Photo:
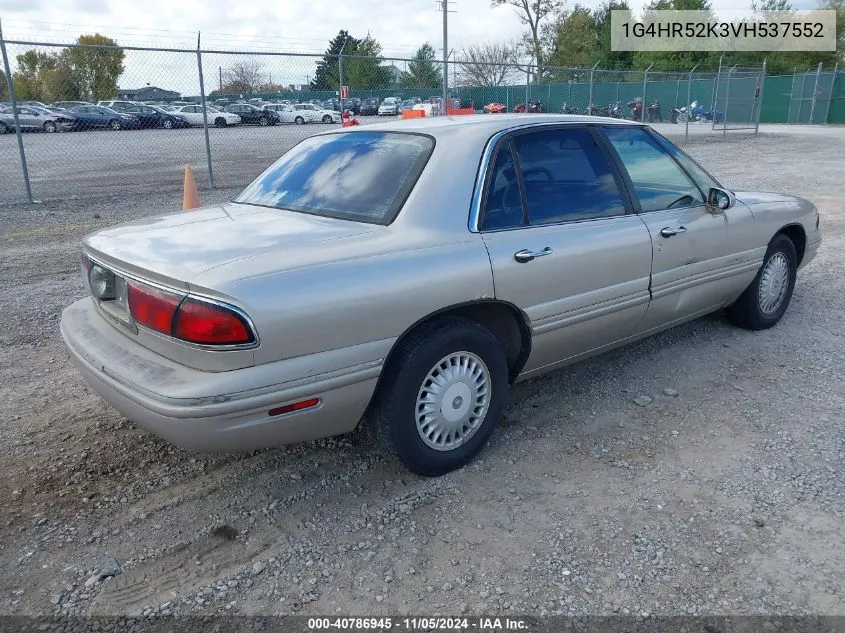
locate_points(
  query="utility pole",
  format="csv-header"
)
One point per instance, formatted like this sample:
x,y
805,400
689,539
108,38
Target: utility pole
x,y
445,8
340,74
220,73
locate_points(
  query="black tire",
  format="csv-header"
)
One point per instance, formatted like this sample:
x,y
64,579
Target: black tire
x,y
748,311
220,122
4,129
394,412
50,127
115,125
263,121
299,120
327,118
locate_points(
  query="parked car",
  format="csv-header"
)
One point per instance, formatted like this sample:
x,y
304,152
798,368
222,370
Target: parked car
x,y
495,108
401,289
67,105
30,118
309,113
389,106
353,105
87,117
193,115
285,111
250,114
407,104
332,105
148,116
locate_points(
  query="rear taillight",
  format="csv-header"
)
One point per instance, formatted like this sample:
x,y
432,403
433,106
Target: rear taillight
x,y
153,308
188,318
210,324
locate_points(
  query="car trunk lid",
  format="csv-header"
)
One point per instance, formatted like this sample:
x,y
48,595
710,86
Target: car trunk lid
x,y
174,249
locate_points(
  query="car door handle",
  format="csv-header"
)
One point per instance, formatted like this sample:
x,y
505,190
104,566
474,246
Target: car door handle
x,y
669,231
525,255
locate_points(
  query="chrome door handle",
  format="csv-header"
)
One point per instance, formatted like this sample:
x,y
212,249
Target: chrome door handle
x,y
525,255
669,231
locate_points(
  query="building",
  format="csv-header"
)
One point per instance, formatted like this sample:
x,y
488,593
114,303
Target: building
x,y
397,76
147,93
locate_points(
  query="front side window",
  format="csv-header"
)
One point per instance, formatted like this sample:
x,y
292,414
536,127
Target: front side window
x,y
658,180
566,177
359,176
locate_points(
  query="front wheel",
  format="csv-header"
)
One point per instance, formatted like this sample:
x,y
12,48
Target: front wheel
x,y
299,120
115,125
168,124
442,396
220,122
263,121
3,128
50,127
327,118
763,303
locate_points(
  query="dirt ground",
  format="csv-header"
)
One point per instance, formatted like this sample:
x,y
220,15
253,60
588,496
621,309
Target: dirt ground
x,y
723,497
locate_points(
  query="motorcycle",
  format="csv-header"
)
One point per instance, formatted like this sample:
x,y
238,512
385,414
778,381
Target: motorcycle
x,y
696,113
568,109
533,107
636,106
654,112
614,111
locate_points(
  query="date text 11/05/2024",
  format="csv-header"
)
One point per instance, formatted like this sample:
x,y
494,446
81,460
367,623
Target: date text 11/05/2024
x,y
418,624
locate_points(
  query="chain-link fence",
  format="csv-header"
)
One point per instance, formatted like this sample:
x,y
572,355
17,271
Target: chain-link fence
x,y
92,118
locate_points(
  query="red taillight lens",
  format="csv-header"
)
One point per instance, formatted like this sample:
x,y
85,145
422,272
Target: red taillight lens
x,y
153,308
210,324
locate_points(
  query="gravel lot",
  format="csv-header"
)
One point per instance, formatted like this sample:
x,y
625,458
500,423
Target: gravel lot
x,y
723,495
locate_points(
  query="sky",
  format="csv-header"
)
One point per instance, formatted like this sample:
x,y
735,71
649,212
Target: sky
x,y
287,25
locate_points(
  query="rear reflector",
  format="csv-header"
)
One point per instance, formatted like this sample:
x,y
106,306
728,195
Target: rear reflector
x,y
210,324
296,406
153,308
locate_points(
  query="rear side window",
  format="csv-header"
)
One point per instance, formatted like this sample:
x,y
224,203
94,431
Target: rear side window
x,y
359,176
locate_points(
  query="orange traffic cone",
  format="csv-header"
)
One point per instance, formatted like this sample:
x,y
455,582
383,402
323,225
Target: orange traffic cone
x,y
190,198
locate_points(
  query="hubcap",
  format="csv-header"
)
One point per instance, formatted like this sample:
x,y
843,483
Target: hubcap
x,y
774,283
453,401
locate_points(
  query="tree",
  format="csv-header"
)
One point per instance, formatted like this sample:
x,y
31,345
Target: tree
x,y
90,73
676,60
601,23
4,87
31,77
245,76
533,14
327,76
488,63
423,71
576,40
364,71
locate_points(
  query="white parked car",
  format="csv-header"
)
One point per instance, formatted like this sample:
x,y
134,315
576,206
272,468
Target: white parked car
x,y
389,106
193,115
310,113
285,111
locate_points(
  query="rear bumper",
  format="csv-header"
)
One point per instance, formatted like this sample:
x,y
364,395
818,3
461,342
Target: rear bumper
x,y
211,422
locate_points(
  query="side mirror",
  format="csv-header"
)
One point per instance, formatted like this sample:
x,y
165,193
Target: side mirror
x,y
720,199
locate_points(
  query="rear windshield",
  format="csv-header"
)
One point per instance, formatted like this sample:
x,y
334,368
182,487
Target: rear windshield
x,y
360,176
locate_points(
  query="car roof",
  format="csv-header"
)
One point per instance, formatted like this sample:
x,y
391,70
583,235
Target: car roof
x,y
484,124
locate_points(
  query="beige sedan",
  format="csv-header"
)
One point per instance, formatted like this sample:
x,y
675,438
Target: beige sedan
x,y
406,273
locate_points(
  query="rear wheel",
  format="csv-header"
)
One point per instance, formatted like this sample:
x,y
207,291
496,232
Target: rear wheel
x,y
263,121
3,128
115,124
299,120
49,126
168,124
442,396
220,122
764,301
327,118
